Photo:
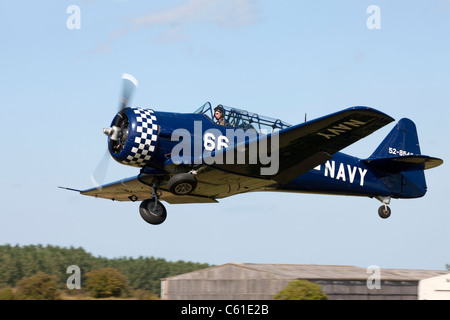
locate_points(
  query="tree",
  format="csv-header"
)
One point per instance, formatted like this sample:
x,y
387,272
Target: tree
x,y
301,290
106,282
39,286
6,293
141,273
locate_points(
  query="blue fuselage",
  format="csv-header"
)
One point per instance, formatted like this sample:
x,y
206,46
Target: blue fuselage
x,y
341,175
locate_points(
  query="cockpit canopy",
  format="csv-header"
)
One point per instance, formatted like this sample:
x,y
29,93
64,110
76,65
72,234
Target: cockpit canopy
x,y
242,119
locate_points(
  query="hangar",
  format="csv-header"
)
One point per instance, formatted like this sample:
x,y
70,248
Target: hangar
x,y
250,281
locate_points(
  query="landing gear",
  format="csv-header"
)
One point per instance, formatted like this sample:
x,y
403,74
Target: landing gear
x,y
182,183
153,211
384,211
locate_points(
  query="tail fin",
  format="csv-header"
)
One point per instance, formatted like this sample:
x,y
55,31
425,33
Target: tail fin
x,y
401,141
399,154
400,151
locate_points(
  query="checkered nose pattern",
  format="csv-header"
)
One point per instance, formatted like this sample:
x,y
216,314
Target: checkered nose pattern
x,y
142,138
145,138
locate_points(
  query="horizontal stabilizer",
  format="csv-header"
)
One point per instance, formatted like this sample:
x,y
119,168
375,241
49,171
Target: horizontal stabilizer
x,y
403,163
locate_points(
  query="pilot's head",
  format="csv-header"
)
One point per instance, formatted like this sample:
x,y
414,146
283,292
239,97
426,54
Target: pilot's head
x,y
218,112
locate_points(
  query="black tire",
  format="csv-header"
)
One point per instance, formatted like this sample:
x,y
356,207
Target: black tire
x,y
151,213
182,183
384,212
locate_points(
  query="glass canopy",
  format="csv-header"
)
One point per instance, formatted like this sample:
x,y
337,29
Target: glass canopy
x,y
242,119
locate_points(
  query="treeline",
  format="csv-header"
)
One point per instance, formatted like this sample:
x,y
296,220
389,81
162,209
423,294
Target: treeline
x,y
144,273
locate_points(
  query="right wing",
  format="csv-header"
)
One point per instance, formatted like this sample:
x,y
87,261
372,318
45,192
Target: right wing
x,y
139,188
212,184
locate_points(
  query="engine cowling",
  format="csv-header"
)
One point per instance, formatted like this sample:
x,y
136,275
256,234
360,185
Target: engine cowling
x,y
133,136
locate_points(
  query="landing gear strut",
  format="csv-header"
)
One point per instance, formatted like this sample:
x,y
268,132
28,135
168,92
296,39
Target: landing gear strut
x,y
384,211
153,211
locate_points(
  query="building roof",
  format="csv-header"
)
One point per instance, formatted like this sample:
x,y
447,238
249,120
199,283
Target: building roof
x,y
306,271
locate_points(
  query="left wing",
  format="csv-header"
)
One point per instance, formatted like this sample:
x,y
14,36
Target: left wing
x,y
303,147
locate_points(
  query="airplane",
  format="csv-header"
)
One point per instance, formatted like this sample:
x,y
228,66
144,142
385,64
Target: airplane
x,y
196,158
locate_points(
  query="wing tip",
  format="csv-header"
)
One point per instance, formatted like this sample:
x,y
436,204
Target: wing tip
x,y
70,189
370,109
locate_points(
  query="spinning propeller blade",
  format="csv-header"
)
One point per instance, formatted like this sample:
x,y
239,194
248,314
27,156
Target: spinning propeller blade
x,y
129,85
99,174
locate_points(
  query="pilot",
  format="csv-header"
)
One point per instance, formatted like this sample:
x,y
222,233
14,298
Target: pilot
x,y
218,115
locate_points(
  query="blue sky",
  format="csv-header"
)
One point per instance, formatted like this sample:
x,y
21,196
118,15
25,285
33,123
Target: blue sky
x,y
60,87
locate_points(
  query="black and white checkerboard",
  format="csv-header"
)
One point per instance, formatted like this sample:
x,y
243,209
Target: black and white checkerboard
x,y
146,138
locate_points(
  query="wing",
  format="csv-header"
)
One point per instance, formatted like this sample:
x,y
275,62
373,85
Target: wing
x,y
302,147
212,184
139,188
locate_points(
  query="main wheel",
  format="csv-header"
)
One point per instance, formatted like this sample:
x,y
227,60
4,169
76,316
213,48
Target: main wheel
x,y
182,183
384,212
152,212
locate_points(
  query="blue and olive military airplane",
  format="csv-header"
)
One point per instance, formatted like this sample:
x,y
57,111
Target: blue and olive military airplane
x,y
208,155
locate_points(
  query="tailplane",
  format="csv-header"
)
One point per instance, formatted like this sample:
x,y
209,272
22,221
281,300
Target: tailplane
x,y
399,155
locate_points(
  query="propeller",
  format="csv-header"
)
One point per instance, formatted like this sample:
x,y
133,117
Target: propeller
x,y
99,174
129,84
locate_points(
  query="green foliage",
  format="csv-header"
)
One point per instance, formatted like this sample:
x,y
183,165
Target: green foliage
x,y
140,294
6,293
301,290
142,273
18,262
106,282
40,286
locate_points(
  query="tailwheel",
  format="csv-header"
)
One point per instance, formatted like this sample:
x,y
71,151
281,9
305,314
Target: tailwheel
x,y
153,211
384,211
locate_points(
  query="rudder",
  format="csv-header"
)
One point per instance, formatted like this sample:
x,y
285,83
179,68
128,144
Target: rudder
x,y
401,141
399,162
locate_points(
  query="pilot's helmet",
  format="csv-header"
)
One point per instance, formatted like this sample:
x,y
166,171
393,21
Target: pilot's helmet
x,y
219,108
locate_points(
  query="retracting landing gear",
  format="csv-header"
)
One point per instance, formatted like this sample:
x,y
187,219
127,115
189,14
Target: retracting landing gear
x,y
182,183
384,211
153,211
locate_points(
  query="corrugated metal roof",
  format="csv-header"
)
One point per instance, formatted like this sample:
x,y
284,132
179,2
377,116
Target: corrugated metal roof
x,y
311,271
